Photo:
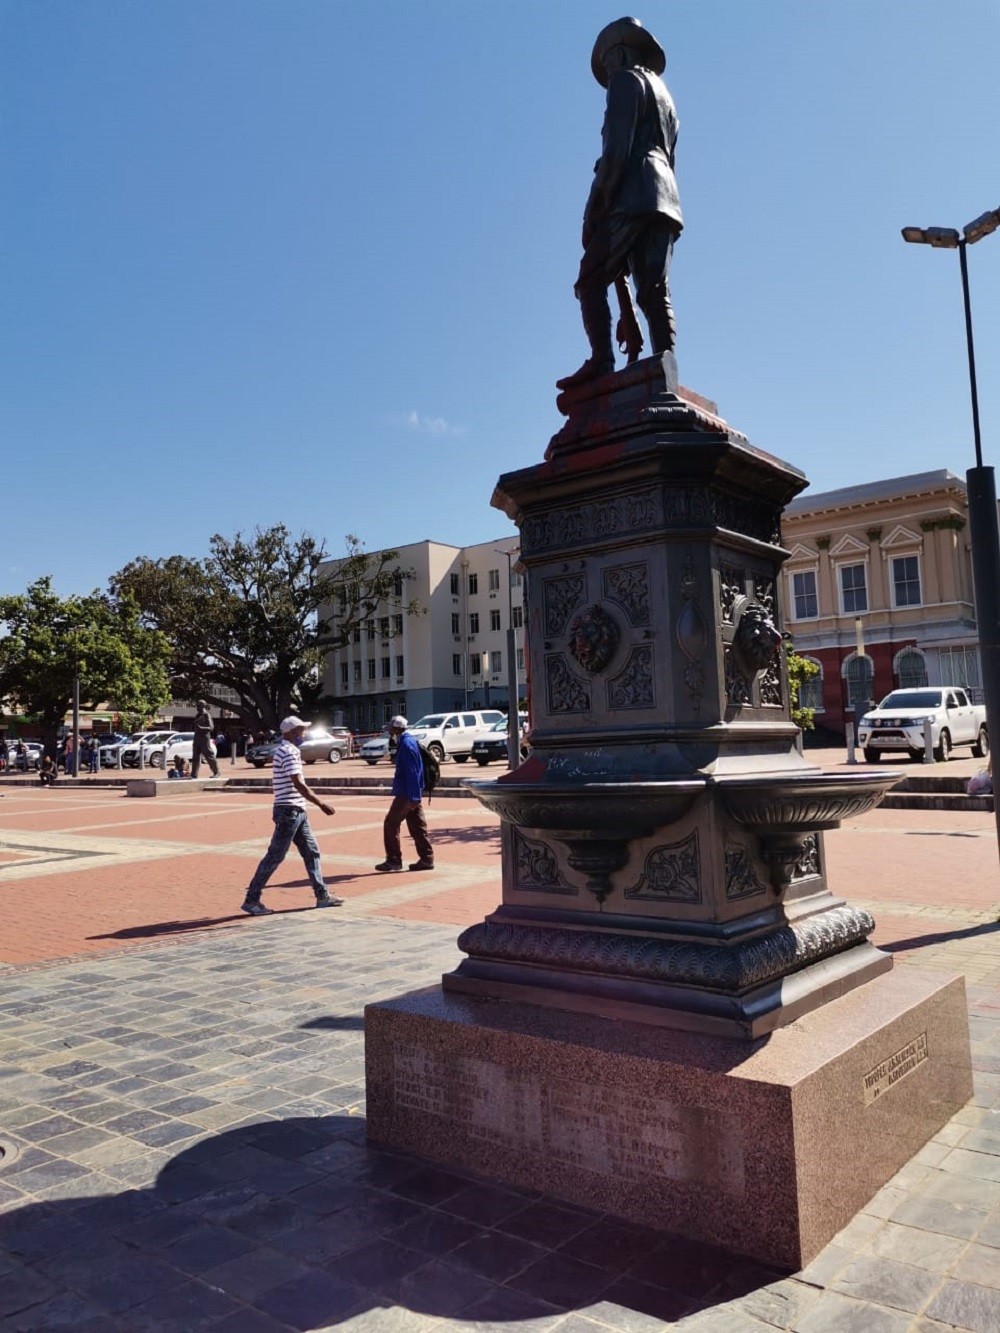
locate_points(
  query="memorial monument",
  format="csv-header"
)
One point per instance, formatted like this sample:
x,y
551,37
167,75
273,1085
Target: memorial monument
x,y
670,1016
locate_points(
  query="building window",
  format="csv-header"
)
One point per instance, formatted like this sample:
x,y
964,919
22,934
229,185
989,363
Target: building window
x,y
371,668
853,589
515,578
474,622
356,635
859,673
370,629
345,673
906,580
520,659
399,664
517,616
804,596
357,673
473,584
397,585
383,626
456,664
386,668
494,580
496,663
475,663
397,624
494,620
456,623
811,690
960,666
911,669
455,585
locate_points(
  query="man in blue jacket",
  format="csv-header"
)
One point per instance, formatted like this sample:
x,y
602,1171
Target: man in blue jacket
x,y
407,803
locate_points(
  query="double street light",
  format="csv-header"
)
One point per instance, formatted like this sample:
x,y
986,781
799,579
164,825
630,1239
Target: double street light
x,y
980,483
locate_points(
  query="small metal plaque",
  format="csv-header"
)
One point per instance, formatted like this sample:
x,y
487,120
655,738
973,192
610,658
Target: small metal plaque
x,y
885,1075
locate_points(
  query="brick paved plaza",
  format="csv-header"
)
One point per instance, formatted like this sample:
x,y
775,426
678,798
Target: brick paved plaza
x,y
182,1093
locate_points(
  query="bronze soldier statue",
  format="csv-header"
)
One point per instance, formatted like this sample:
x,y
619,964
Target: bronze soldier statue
x,y
633,214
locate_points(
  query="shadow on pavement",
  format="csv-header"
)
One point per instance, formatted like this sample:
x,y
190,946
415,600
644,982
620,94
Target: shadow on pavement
x,y
153,929
336,1023
297,1221
941,937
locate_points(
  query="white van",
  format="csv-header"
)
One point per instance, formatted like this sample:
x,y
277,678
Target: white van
x,y
451,735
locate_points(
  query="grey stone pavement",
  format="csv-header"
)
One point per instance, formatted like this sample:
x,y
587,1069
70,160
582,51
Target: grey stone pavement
x,y
184,1142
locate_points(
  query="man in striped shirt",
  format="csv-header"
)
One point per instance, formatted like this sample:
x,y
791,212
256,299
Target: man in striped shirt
x,y
291,822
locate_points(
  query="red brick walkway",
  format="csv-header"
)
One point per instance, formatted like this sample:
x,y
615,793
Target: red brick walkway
x,y
86,871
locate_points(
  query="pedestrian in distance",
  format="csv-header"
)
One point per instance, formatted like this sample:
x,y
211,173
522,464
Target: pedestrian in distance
x,y
95,755
203,747
4,754
407,803
291,822
48,771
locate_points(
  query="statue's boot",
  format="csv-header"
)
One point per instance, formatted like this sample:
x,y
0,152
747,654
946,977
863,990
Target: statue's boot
x,y
596,314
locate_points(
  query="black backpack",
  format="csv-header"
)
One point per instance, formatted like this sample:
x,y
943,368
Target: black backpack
x,y
432,769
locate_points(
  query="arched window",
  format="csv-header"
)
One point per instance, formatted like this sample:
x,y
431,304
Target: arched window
x,y
910,668
811,691
859,673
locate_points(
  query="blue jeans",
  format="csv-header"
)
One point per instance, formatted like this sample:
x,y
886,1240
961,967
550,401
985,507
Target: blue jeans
x,y
291,825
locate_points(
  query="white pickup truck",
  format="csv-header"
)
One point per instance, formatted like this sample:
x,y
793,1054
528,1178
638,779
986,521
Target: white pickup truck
x,y
898,723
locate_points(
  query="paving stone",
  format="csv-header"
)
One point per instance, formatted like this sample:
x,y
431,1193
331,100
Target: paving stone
x,y
924,1249
312,1301
967,1306
979,1264
886,1282
831,1313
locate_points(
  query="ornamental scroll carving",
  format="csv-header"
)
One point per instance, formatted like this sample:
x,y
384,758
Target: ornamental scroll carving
x,y
692,634
536,869
634,686
731,968
807,866
732,584
770,680
565,692
742,880
593,638
628,585
561,596
618,516
671,874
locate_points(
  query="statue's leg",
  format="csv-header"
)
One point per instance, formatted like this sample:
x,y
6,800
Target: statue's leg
x,y
595,310
649,263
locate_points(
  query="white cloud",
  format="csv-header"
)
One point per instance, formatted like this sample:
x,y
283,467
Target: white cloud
x,y
416,421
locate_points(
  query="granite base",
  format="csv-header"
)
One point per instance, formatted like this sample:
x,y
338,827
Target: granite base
x,y
767,1148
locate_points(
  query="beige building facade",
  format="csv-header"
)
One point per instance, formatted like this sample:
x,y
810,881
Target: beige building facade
x,y
451,654
878,590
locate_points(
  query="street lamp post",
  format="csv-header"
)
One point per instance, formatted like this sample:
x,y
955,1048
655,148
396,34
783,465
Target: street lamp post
x,y
980,484
513,711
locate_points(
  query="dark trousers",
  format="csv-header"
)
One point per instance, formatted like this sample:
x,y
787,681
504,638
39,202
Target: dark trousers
x,y
200,751
413,813
641,246
291,825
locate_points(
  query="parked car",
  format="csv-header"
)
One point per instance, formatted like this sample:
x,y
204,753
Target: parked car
x,y
142,740
32,758
161,754
111,746
898,723
453,735
494,746
318,743
378,747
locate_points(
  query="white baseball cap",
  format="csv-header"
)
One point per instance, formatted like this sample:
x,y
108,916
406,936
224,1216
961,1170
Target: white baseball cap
x,y
397,723
291,723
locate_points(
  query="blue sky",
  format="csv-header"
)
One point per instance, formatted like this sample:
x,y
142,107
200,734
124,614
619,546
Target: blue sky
x,y
312,261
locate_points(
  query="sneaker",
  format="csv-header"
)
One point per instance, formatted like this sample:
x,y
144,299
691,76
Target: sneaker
x,y
328,900
422,865
256,909
389,867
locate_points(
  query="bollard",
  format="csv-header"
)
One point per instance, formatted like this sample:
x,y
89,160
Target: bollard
x,y
852,758
928,741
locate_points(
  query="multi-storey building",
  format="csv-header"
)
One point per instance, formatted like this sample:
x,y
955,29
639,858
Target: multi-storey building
x,y
452,653
878,590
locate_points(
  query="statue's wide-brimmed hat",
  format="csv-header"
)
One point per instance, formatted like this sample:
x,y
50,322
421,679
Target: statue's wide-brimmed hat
x,y
630,33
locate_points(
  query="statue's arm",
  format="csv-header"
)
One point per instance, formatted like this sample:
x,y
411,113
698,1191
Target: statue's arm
x,y
625,93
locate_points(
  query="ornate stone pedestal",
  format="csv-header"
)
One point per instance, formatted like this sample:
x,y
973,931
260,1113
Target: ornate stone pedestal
x,y
663,867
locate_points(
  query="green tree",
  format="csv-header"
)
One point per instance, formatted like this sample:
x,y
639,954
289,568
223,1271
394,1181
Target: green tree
x,y
251,624
800,669
49,640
